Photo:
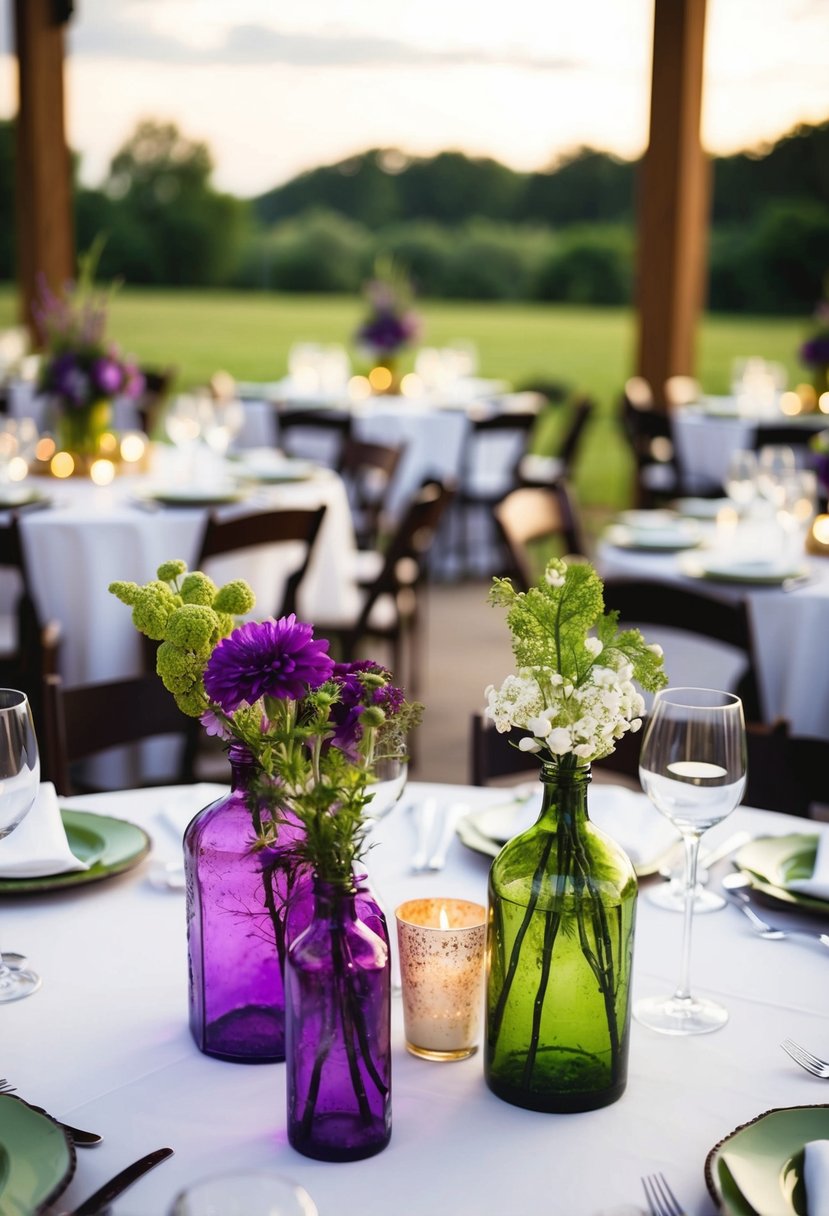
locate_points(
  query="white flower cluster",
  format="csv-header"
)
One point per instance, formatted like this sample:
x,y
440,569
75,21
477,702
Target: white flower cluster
x,y
585,721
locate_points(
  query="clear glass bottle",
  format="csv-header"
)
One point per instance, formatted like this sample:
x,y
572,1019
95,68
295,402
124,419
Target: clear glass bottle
x,y
338,1036
562,913
237,895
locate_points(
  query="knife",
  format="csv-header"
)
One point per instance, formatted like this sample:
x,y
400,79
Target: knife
x,y
104,1196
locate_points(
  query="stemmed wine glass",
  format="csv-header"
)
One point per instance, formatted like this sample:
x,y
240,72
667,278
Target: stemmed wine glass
x,y
19,782
741,478
693,768
390,776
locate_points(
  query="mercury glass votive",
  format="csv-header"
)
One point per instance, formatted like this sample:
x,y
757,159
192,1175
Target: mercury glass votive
x,y
441,945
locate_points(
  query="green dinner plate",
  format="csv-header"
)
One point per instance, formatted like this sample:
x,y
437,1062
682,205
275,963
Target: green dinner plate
x,y
758,573
111,846
667,540
759,1166
774,861
37,1159
195,498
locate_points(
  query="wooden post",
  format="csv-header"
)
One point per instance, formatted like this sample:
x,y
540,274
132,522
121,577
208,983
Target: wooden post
x,y
674,199
45,229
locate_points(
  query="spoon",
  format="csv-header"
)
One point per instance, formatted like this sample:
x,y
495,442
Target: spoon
x,y
734,886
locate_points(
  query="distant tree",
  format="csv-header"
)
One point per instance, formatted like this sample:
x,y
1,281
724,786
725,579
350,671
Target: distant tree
x,y
166,224
592,264
321,251
586,185
795,167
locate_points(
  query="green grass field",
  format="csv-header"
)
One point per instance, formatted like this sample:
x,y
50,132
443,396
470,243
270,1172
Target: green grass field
x,y
591,349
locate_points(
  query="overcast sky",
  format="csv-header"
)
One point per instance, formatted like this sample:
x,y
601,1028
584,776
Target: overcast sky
x,y
275,88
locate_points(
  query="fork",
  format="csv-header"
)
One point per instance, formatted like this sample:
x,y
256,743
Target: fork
x,y
78,1136
812,1063
661,1199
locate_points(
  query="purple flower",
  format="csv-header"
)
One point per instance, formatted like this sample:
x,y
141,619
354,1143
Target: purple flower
x,y
134,382
815,352
108,375
267,658
214,725
354,697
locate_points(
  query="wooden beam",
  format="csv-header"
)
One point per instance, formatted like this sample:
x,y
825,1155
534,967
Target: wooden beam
x,y
674,198
45,229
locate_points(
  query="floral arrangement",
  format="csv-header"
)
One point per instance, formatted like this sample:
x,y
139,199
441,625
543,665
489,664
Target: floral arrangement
x,y
391,323
574,690
814,353
317,729
81,367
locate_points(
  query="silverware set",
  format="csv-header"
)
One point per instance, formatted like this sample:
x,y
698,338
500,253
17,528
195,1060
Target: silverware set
x,y
434,832
734,888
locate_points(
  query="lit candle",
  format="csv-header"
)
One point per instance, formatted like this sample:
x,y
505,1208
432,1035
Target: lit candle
x,y
442,944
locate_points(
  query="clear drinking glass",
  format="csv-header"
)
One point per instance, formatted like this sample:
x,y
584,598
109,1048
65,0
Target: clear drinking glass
x,y
774,462
741,478
244,1193
19,782
693,769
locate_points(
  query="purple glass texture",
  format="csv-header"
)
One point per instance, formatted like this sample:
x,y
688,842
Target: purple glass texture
x,y
236,899
337,1026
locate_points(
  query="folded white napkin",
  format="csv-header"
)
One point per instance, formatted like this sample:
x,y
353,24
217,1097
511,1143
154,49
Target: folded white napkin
x,y
818,884
38,845
816,1176
181,807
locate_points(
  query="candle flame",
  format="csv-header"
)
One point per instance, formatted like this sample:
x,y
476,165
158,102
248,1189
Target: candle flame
x,y
443,919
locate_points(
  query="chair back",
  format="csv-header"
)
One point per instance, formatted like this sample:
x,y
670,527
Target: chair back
x,y
649,602
406,556
316,434
573,436
368,470
90,718
531,514
235,533
648,432
682,390
36,644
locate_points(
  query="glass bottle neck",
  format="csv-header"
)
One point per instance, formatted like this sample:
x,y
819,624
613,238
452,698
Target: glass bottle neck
x,y
564,793
242,766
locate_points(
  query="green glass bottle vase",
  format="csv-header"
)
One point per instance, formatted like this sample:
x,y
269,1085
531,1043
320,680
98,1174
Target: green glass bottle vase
x,y
562,911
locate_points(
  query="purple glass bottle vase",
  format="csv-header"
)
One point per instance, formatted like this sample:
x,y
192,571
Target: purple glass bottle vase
x,y
337,1026
236,900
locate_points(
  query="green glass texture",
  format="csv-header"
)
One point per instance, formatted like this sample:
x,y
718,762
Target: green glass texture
x,y
562,912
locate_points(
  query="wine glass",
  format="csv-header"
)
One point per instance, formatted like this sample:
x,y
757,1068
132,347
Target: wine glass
x,y
693,768
244,1193
19,782
741,478
775,462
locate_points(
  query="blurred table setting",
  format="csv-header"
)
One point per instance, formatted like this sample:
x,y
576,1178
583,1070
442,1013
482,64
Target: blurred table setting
x,y
763,546
133,1074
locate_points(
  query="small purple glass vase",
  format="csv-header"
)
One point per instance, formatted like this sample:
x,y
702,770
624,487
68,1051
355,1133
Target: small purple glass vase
x,y
236,900
337,1025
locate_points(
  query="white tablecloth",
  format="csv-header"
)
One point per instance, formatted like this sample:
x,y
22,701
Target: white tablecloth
x,y
788,630
94,535
705,440
105,1045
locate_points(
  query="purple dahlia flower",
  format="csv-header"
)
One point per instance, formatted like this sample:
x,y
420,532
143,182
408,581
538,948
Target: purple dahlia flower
x,y
267,658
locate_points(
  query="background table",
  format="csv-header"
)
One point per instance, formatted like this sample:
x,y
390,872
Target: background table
x,y
706,438
105,1045
788,631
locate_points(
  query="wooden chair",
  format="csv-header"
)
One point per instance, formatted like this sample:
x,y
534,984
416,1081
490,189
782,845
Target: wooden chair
x,y
30,647
796,437
235,533
91,718
643,602
315,434
530,515
647,428
368,470
536,469
391,610
682,390
478,489
158,381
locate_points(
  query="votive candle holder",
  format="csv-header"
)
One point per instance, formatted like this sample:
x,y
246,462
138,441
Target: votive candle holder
x,y
442,945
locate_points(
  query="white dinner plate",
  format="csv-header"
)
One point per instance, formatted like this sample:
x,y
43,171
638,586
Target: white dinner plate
x,y
767,571
702,508
684,534
189,496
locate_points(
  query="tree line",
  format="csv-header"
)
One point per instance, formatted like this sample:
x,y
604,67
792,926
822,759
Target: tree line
x,y
465,228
